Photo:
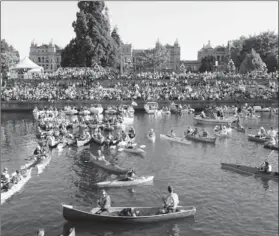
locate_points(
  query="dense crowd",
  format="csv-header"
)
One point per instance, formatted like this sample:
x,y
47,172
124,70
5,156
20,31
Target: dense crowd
x,y
207,87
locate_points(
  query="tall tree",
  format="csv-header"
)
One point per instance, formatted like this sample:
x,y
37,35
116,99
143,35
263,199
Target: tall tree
x,y
231,66
207,64
252,62
93,42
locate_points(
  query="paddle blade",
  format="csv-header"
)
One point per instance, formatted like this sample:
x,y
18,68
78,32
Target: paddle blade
x,y
142,146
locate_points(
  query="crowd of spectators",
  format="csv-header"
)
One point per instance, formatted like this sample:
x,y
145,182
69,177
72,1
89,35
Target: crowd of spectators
x,y
103,84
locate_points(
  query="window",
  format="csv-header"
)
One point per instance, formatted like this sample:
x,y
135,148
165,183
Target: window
x,y
39,59
51,66
43,59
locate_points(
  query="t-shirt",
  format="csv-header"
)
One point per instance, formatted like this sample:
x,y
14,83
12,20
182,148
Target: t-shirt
x,y
172,200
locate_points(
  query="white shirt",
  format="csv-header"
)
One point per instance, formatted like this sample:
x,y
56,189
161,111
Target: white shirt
x,y
172,200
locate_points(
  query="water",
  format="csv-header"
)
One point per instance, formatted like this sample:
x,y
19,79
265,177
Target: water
x,y
227,203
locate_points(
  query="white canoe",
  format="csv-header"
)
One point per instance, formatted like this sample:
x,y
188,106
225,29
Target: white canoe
x,y
200,120
133,150
17,187
124,182
42,165
175,139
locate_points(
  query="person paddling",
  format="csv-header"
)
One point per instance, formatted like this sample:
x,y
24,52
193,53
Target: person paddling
x,y
131,175
172,134
171,202
104,202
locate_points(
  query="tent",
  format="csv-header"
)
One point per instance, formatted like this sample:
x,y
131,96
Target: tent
x,y
26,63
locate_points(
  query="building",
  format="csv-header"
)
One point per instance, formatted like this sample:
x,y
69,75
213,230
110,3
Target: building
x,y
173,63
221,55
47,56
126,57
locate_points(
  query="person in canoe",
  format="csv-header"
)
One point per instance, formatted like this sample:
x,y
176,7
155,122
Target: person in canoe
x,y
196,132
171,202
132,133
203,115
204,133
38,150
189,130
172,134
131,175
151,133
16,178
272,133
261,133
265,167
5,179
103,202
41,232
100,156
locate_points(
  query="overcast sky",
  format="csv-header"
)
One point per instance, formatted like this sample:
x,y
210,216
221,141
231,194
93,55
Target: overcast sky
x,y
141,23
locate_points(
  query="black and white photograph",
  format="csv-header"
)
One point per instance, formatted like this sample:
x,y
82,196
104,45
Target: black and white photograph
x,y
133,118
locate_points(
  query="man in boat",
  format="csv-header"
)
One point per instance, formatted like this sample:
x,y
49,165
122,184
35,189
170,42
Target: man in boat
x,y
100,156
15,179
261,132
41,232
5,179
203,115
172,134
151,133
267,168
272,133
196,132
124,135
171,202
131,175
132,133
204,133
104,202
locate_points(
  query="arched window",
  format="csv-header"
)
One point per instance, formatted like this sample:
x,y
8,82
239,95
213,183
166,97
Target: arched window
x,y
39,59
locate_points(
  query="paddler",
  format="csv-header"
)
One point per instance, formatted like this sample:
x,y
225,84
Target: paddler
x,y
41,232
104,202
267,168
132,133
5,178
261,132
272,133
100,156
205,133
129,145
15,179
151,133
203,115
196,131
172,134
131,175
171,202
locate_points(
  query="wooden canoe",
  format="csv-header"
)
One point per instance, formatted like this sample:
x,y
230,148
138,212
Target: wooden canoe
x,y
250,170
16,187
200,120
122,182
106,165
175,139
201,139
146,215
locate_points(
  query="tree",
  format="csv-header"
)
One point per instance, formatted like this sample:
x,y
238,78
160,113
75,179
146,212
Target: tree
x,y
154,58
231,66
9,57
207,64
252,62
93,42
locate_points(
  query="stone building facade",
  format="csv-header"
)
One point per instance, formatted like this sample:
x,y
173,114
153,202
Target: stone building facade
x,y
47,56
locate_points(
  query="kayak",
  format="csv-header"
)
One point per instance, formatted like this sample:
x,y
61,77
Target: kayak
x,y
43,163
124,182
200,120
133,150
253,138
175,139
83,142
16,187
114,169
146,214
201,139
98,141
250,170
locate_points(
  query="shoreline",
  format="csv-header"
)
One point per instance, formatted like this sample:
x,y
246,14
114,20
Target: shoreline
x,y
14,106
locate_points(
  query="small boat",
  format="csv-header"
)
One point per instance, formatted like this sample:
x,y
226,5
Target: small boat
x,y
250,170
175,139
97,109
262,109
98,141
201,139
121,182
16,187
43,163
133,150
200,120
146,215
106,165
239,129
128,118
151,107
255,138
83,142
151,138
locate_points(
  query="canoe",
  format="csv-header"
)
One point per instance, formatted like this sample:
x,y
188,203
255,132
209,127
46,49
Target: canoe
x,y
200,120
98,141
43,163
166,112
146,215
83,142
261,109
16,187
71,232
253,138
124,182
114,169
133,150
272,147
250,170
175,139
201,139
151,138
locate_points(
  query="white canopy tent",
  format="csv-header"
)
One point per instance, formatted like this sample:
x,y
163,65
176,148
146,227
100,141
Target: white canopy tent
x,y
26,63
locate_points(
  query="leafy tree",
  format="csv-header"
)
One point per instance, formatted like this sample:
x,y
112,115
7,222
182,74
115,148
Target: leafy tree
x,y
252,62
207,64
93,42
153,58
231,66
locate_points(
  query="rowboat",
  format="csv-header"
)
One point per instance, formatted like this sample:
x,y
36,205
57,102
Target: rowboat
x,y
16,187
201,139
250,170
114,169
83,142
43,163
200,120
151,107
253,138
133,150
121,182
175,139
98,141
146,215
151,138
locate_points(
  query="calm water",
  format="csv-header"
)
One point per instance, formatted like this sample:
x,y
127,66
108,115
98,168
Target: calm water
x,y
227,203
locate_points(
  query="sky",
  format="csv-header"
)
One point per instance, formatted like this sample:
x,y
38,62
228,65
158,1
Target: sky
x,y
141,23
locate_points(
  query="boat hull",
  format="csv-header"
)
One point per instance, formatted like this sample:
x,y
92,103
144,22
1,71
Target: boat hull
x,y
133,150
123,183
42,165
201,139
200,120
176,139
253,138
147,215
